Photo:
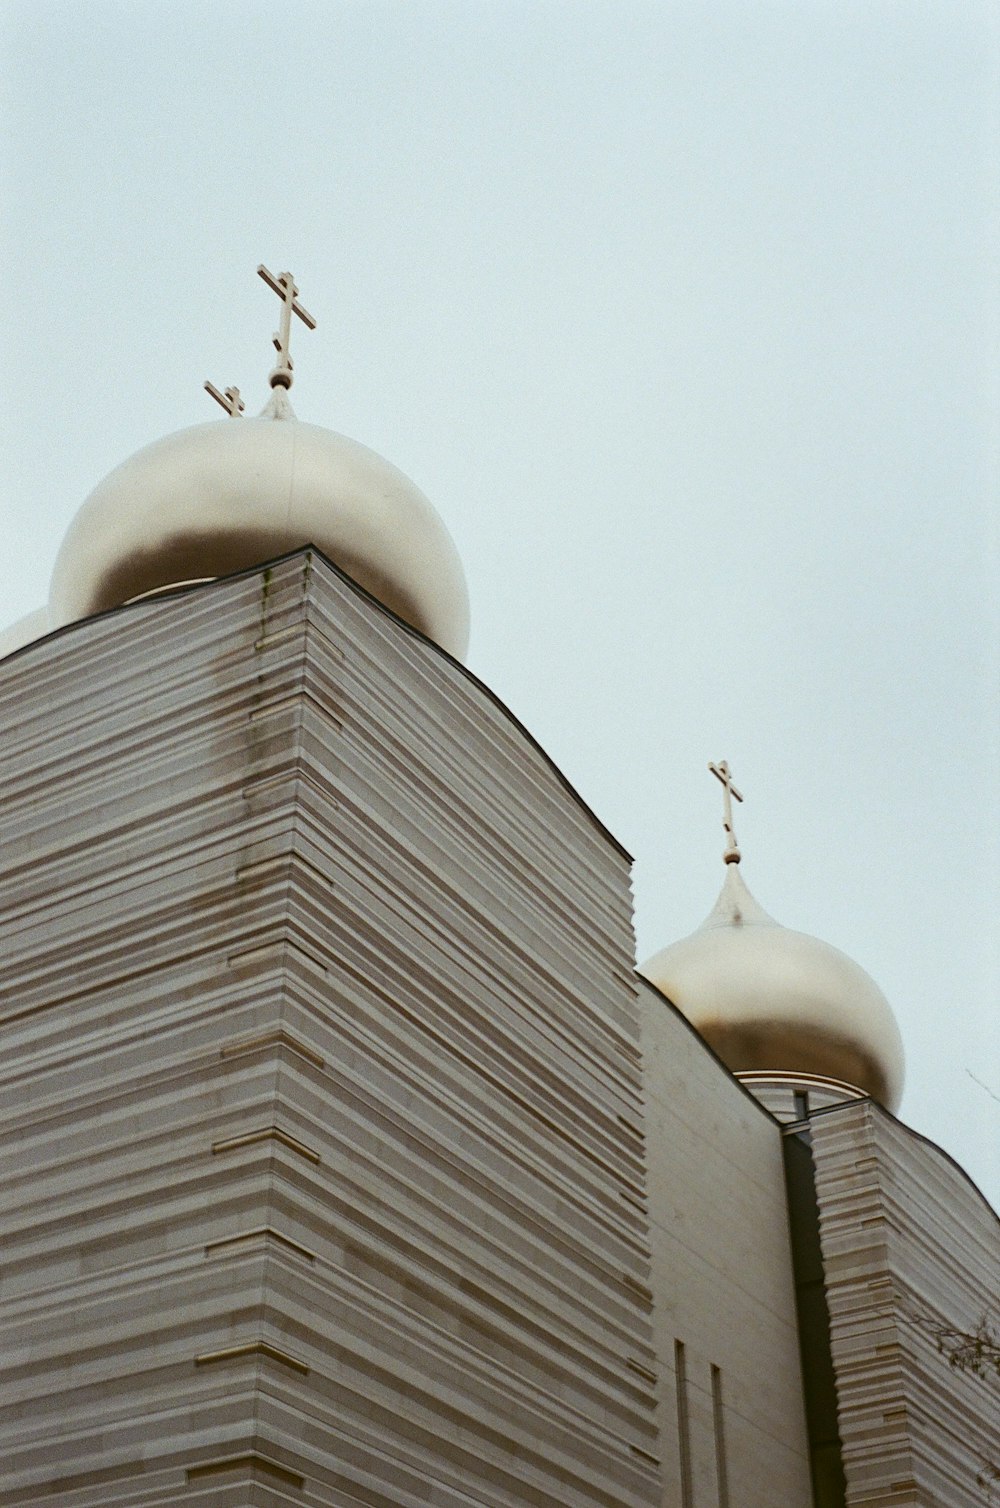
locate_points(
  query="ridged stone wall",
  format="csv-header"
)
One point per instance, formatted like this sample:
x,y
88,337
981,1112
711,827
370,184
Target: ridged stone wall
x,y
910,1249
323,1172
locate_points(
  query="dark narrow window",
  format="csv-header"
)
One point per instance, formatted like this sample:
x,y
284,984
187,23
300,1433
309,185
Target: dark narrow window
x,y
801,1104
721,1469
683,1425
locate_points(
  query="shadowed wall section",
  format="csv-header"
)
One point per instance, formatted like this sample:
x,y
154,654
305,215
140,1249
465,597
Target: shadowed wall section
x,y
732,1421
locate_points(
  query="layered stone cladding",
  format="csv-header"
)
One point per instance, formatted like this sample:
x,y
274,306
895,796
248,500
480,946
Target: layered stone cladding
x,y
320,1089
910,1250
794,1097
733,1429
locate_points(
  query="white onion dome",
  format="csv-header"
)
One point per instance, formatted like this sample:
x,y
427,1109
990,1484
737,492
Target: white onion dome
x,y
770,1000
225,496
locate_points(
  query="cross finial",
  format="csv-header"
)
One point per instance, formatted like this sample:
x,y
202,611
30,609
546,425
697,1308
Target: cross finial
x,y
230,400
731,853
284,287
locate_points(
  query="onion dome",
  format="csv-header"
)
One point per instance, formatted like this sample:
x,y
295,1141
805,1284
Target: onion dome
x,y
777,1003
225,496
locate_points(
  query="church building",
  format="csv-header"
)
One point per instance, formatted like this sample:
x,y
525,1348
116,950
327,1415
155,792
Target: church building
x,y
349,1157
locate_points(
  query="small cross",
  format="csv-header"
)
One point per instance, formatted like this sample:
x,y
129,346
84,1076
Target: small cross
x,y
722,772
284,287
230,400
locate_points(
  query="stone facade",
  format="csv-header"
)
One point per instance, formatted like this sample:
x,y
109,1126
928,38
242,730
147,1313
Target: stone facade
x,y
321,1091
348,1161
733,1429
910,1250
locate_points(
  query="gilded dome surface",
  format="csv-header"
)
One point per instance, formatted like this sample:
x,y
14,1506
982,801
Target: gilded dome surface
x,y
224,496
767,998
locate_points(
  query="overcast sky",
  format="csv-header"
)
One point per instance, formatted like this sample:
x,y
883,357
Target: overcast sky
x,y
684,315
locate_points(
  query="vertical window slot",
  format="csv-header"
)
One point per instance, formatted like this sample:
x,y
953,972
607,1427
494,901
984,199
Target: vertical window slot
x,y
721,1468
683,1425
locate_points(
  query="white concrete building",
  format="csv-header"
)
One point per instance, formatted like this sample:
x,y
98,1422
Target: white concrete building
x,y
348,1158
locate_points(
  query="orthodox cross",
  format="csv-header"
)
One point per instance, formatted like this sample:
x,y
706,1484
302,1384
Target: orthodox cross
x,y
723,773
284,287
230,400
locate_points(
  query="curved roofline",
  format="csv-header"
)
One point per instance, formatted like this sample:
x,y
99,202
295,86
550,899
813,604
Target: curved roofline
x,y
917,1136
310,550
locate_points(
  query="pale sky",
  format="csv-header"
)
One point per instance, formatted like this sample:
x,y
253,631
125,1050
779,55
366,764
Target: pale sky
x,y
686,318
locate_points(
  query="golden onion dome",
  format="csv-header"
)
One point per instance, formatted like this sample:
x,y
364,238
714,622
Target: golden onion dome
x,y
225,496
771,1000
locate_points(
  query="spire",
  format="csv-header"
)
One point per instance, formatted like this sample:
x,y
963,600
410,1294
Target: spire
x,y
284,286
731,853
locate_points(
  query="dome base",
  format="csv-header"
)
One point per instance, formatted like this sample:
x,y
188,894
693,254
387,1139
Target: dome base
x,y
793,1097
